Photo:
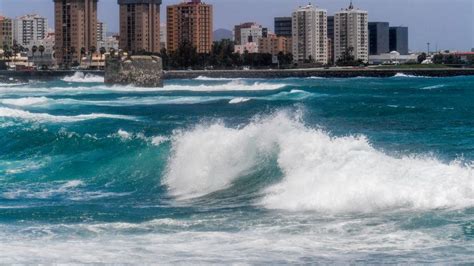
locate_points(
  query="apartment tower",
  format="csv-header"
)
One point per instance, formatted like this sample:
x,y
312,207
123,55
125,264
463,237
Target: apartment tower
x,y
29,28
6,32
140,26
190,22
351,33
310,40
75,28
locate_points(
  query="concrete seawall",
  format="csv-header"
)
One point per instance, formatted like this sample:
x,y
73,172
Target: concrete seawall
x,y
328,73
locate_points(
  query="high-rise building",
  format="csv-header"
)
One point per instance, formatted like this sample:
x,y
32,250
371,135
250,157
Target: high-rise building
x,y
273,44
331,40
163,36
310,40
29,28
283,26
378,38
140,25
351,33
238,31
399,39
190,22
247,37
75,28
6,32
101,33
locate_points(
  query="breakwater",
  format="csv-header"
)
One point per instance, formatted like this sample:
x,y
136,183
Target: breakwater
x,y
267,73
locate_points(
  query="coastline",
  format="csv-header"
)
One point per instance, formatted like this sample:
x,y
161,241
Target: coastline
x,y
258,73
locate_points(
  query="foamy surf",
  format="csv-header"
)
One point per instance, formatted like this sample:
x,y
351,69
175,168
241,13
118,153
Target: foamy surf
x,y
44,117
321,173
84,78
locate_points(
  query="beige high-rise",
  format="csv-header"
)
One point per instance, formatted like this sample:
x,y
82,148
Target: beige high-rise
x,y
6,32
140,26
76,28
310,34
190,22
351,31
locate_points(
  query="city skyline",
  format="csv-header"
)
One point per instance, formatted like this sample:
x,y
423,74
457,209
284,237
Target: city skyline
x,y
456,34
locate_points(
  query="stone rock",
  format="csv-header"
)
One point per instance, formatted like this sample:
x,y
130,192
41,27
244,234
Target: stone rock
x,y
143,71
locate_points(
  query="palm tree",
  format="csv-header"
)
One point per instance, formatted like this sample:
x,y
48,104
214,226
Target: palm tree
x,y
34,49
41,50
102,51
112,52
16,50
83,52
92,51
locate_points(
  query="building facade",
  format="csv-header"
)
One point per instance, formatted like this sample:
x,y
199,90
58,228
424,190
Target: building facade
x,y
29,28
331,40
351,33
283,26
378,38
44,51
273,44
140,26
399,39
6,32
310,40
190,22
163,36
101,33
75,29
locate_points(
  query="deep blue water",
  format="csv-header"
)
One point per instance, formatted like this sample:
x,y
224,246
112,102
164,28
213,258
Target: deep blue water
x,y
361,170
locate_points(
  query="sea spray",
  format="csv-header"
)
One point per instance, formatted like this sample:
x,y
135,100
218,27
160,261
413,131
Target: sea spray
x,y
321,173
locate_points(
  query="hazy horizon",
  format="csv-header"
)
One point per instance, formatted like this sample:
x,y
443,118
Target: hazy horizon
x,y
428,20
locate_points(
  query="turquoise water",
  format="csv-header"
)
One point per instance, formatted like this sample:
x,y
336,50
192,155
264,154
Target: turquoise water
x,y
362,170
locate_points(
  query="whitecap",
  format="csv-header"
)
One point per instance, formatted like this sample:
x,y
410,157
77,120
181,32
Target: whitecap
x,y
44,117
239,100
321,173
83,78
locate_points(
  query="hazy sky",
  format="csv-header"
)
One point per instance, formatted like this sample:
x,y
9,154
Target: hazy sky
x,y
447,23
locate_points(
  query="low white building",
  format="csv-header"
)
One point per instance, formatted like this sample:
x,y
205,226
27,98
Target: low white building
x,y
250,47
46,57
392,58
110,42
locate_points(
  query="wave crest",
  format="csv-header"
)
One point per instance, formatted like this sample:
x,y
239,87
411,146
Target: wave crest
x,y
83,78
321,173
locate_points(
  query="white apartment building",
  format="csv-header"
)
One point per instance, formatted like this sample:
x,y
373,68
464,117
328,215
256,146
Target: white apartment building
x,y
29,28
310,34
101,34
351,30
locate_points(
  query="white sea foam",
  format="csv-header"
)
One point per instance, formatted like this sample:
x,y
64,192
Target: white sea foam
x,y
402,75
433,87
322,173
214,79
83,78
28,101
236,85
43,117
239,100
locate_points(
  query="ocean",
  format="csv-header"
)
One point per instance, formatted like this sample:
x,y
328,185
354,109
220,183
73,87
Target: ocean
x,y
238,171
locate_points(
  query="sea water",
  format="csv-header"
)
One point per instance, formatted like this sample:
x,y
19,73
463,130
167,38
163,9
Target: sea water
x,y
249,171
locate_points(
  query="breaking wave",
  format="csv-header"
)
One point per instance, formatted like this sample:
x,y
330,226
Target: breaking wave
x,y
83,78
43,117
320,172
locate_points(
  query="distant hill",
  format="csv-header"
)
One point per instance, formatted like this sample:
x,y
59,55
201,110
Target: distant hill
x,y
220,34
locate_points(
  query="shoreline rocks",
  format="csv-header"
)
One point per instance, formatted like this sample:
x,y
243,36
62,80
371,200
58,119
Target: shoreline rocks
x,y
143,71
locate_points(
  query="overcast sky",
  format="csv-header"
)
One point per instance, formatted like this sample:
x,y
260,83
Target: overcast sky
x,y
446,23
